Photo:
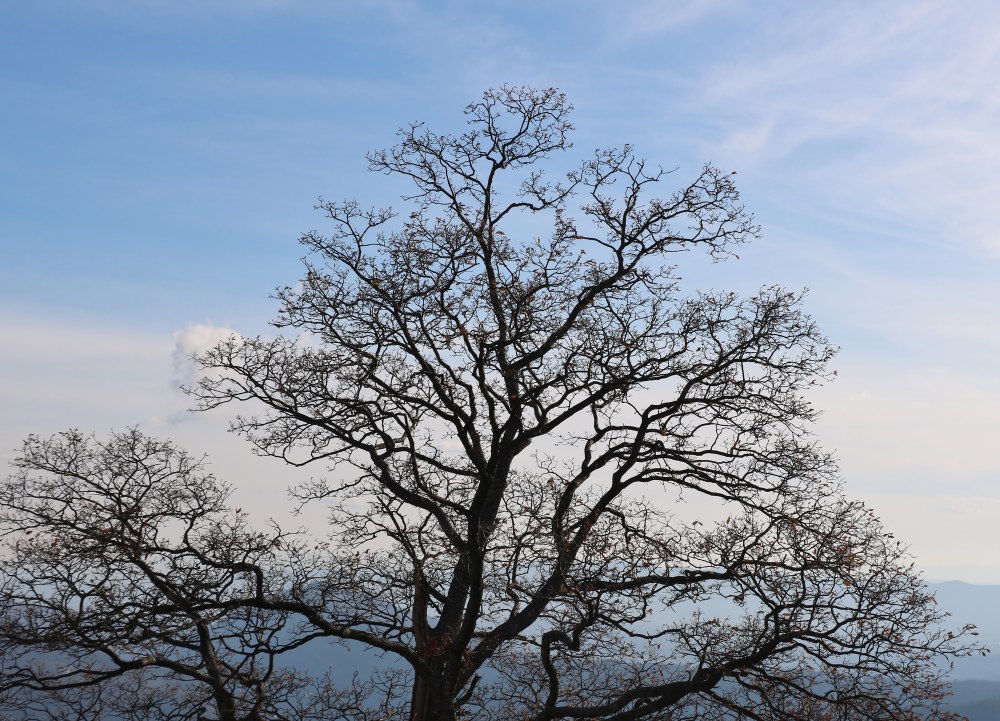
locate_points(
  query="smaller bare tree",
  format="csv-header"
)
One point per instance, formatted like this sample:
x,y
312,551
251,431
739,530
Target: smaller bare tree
x,y
131,591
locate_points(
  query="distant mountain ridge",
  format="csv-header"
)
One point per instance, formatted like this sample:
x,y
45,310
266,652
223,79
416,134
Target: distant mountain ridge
x,y
976,679
976,700
970,603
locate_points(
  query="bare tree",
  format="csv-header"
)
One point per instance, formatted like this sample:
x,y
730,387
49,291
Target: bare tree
x,y
131,591
515,430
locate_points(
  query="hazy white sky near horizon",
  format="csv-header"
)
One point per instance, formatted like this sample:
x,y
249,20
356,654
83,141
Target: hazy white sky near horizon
x,y
158,160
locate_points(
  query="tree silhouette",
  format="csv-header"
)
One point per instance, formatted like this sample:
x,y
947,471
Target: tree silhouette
x,y
563,486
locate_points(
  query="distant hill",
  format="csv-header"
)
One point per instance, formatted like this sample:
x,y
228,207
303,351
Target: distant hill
x,y
975,680
977,700
978,605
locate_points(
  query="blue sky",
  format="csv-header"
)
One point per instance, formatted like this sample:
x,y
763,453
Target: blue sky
x,y
158,159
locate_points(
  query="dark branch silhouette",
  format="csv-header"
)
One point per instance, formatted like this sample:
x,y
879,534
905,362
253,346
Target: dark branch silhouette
x,y
563,486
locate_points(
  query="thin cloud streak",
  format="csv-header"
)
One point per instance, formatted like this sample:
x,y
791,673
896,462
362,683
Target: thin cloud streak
x,y
906,91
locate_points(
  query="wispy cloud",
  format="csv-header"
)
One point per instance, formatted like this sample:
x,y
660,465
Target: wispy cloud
x,y
893,106
650,17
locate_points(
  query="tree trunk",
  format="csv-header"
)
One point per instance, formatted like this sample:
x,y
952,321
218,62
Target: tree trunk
x,y
428,703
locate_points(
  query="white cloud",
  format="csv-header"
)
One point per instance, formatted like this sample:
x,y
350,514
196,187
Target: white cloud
x,y
194,340
56,374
